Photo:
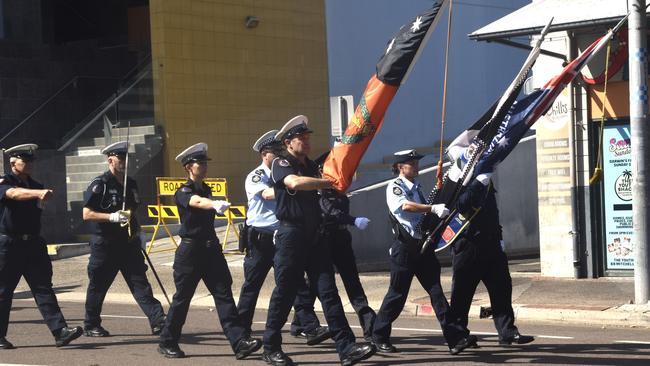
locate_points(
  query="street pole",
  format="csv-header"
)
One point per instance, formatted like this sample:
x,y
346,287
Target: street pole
x,y
639,134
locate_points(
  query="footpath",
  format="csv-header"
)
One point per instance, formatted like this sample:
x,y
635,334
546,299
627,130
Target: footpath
x,y
604,302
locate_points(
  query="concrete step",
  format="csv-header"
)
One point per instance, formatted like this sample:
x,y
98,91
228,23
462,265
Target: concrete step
x,y
84,177
90,159
86,168
135,130
133,139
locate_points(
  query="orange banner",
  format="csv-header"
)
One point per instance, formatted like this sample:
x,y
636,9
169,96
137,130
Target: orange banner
x,y
345,156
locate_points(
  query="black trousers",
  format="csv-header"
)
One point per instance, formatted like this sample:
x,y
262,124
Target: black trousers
x,y
257,264
485,261
339,241
295,253
194,261
406,262
107,258
27,258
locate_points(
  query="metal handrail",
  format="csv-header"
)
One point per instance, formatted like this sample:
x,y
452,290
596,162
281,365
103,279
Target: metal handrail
x,y
103,109
48,100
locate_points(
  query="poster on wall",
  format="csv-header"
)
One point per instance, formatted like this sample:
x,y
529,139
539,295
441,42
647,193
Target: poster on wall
x,y
617,189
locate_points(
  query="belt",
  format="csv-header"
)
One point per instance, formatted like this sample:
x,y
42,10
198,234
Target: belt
x,y
208,243
260,234
23,237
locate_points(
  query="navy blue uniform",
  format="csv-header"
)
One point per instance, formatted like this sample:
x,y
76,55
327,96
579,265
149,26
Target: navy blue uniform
x,y
478,256
406,262
259,256
23,253
113,251
199,257
335,211
296,251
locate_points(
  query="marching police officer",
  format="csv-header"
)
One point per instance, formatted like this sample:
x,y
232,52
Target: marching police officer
x,y
335,212
262,223
199,257
23,251
116,245
295,180
406,205
477,255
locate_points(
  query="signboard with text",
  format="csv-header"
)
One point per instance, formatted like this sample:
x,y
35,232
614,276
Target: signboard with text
x,y
617,194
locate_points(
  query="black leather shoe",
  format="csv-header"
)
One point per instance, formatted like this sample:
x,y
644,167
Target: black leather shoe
x,y
473,341
97,331
158,327
277,358
246,347
318,335
358,353
385,347
170,350
67,335
5,344
462,344
516,339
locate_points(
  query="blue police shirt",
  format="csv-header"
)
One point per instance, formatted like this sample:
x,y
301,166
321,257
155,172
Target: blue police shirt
x,y
399,191
261,212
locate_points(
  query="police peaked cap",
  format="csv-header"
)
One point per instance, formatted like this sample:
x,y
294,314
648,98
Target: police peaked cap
x,y
296,126
406,155
265,141
195,153
117,148
24,151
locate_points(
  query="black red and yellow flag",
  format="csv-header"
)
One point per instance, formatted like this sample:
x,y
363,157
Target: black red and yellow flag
x,y
392,70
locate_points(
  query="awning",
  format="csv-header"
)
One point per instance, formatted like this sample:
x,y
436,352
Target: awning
x,y
567,14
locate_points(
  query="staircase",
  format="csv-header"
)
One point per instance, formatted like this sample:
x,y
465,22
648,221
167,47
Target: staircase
x,y
86,162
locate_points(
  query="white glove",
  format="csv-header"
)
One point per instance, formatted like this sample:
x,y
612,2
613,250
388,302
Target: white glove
x,y
361,222
220,206
440,210
484,178
120,217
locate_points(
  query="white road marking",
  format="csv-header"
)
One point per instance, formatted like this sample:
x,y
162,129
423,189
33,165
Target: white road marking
x,y
632,342
440,331
124,316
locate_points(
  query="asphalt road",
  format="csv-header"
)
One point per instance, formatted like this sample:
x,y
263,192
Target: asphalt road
x,y
419,340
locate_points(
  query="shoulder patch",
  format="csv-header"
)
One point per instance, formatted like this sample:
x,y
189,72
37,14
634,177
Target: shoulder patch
x,y
283,163
397,191
256,179
97,187
259,172
399,181
186,189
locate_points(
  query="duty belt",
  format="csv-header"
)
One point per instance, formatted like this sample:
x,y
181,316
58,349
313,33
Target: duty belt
x,y
261,234
208,243
23,237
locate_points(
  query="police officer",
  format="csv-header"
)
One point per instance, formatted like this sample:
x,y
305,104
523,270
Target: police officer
x,y
116,245
477,255
23,251
406,205
295,180
262,224
335,213
199,257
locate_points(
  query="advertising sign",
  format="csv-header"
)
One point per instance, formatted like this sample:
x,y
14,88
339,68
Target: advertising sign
x,y
617,191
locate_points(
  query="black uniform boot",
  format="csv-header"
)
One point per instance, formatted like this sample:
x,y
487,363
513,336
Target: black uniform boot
x,y
66,335
358,353
96,331
246,347
5,344
170,350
